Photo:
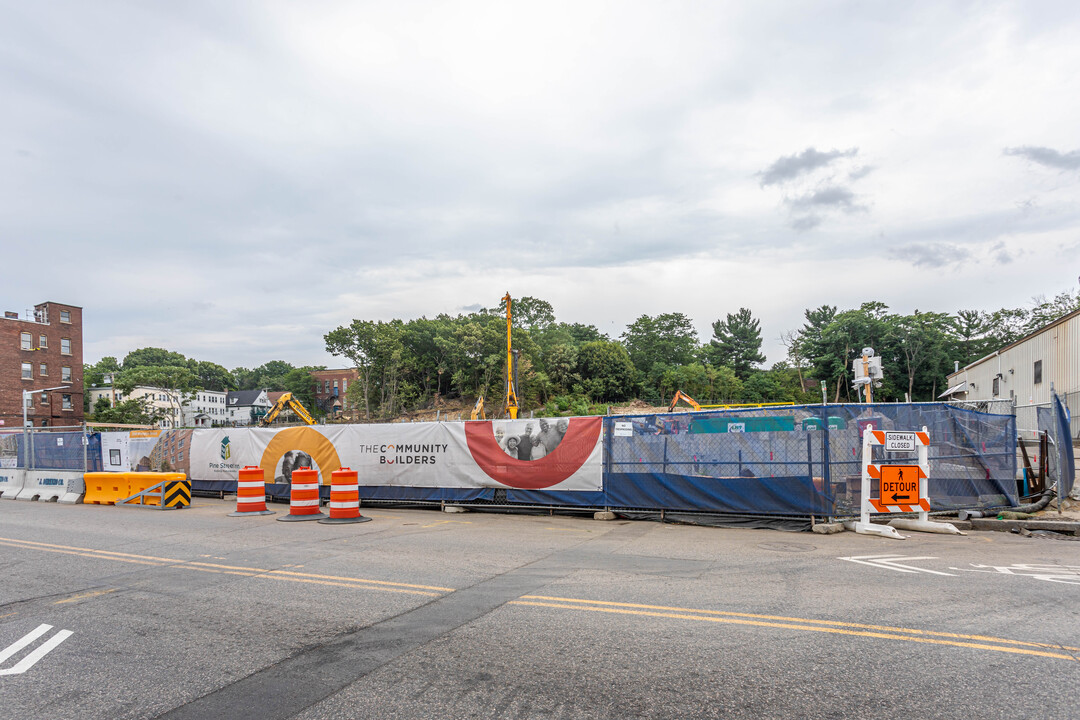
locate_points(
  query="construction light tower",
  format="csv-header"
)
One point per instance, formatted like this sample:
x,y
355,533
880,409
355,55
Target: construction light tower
x,y
510,407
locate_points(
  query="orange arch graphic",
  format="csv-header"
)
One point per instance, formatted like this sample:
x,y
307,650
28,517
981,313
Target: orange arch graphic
x,y
311,441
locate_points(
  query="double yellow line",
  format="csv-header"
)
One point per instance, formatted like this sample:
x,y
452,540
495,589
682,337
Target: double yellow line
x,y
836,627
289,575
884,632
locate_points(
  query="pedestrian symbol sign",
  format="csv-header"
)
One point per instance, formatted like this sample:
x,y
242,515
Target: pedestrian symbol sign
x,y
900,484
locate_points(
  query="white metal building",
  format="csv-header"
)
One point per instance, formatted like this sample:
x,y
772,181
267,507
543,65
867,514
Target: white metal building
x,y
1025,370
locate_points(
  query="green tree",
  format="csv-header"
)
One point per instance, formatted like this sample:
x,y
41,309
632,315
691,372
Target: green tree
x,y
211,376
176,382
667,339
135,411
605,370
153,357
736,342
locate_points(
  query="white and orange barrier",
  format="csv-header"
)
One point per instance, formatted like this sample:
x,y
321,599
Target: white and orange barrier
x,y
344,498
251,492
303,496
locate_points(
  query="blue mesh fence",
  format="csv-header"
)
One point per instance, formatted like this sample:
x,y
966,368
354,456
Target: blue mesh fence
x,y
800,460
44,449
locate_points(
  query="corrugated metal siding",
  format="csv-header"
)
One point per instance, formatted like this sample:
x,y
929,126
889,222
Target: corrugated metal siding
x,y
1059,349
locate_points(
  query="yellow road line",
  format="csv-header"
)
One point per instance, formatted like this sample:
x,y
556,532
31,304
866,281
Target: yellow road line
x,y
358,583
8,615
783,619
789,626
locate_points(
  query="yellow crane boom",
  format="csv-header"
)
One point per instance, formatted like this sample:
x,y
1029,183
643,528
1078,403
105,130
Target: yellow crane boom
x,y
510,407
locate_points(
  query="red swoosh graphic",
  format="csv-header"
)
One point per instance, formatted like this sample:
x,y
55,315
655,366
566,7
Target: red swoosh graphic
x,y
566,459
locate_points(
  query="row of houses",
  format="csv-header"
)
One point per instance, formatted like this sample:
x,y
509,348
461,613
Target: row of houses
x,y
212,408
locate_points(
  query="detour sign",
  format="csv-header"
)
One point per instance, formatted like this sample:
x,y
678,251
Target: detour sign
x,y
900,484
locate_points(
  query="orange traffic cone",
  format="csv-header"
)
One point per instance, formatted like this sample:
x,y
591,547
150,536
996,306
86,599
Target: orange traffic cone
x,y
303,496
251,493
344,498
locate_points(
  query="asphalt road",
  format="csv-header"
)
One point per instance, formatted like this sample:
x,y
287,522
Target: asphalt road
x,y
418,614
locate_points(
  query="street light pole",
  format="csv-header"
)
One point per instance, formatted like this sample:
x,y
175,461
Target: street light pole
x,y
27,394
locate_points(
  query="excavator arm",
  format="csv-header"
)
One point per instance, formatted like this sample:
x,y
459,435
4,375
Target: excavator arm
x,y
680,395
286,400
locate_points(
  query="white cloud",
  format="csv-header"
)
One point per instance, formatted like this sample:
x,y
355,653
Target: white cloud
x,y
234,180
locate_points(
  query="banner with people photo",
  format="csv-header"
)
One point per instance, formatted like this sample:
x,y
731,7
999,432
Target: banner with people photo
x,y
532,454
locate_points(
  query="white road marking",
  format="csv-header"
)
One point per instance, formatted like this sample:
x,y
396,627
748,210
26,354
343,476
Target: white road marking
x,y
1067,574
889,562
28,662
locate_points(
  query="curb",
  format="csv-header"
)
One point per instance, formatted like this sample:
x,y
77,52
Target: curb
x,y
1072,528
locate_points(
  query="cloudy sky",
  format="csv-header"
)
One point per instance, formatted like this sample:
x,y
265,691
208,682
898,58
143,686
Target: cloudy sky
x,y
231,180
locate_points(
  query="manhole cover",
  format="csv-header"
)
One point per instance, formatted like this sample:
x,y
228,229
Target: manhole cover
x,y
786,547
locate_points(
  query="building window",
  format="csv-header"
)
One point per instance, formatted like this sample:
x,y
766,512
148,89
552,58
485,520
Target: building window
x,y
65,374
65,346
65,316
1038,371
66,401
345,385
43,341
29,402
996,390
180,457
43,369
26,342
44,398
27,371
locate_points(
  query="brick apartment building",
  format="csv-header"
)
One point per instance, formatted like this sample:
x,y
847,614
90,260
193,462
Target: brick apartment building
x,y
330,389
44,350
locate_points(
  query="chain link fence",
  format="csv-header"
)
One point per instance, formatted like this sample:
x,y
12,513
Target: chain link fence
x,y
51,448
802,460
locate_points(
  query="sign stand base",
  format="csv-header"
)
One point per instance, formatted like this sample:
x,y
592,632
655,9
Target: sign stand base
x,y
865,528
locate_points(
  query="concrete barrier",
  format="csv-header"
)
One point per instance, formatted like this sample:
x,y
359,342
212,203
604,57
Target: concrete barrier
x,y
11,482
65,486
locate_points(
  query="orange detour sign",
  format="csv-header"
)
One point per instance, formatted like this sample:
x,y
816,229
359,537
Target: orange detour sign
x,y
900,487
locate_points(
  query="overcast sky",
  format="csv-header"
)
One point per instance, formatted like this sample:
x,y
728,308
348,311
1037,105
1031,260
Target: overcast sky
x,y
231,180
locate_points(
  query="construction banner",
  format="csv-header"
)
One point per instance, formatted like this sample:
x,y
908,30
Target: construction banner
x,y
540,454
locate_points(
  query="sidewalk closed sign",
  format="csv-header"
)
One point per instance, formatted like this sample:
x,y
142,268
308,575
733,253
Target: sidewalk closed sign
x,y
900,441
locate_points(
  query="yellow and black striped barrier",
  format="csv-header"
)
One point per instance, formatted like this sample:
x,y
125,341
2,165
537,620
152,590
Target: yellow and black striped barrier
x,y
177,493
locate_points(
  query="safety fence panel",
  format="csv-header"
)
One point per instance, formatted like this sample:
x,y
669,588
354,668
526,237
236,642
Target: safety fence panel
x,y
779,461
764,461
51,449
801,460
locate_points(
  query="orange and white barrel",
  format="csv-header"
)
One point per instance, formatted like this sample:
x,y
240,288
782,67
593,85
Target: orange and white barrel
x,y
304,496
251,492
344,498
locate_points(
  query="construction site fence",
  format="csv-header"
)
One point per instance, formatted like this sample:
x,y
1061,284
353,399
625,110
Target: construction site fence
x,y
788,461
50,448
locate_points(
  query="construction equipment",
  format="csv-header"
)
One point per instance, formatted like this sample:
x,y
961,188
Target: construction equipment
x,y
510,406
680,395
286,400
478,409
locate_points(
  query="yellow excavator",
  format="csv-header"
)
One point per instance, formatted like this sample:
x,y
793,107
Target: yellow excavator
x,y
478,409
286,400
680,395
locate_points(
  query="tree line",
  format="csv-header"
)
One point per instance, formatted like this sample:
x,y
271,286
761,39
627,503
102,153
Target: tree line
x,y
571,367
574,368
